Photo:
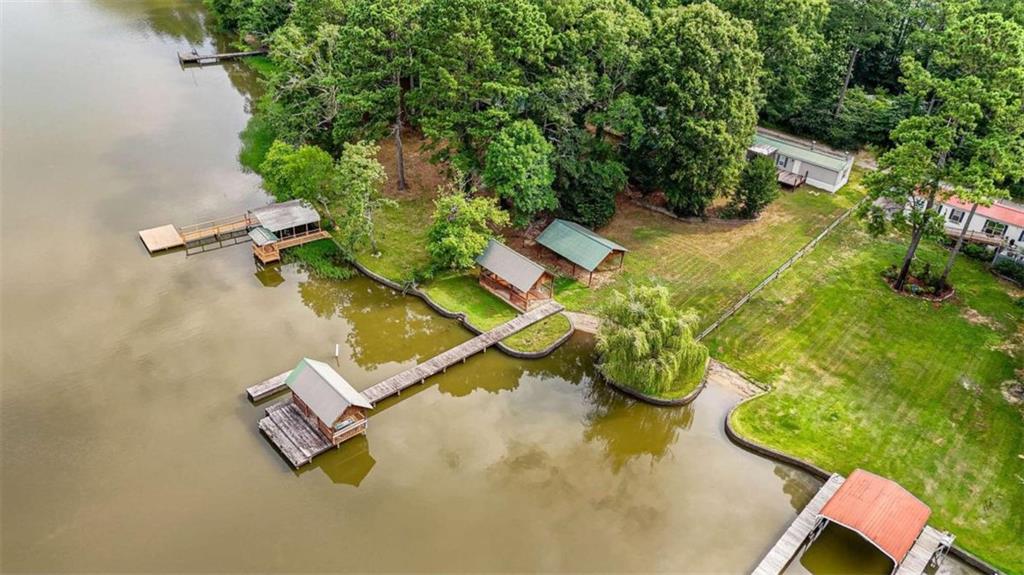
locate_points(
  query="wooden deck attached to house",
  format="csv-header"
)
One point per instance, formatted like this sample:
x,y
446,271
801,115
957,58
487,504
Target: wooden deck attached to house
x,y
793,539
437,364
272,252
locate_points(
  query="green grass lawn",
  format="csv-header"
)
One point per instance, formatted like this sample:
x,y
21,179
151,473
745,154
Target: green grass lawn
x,y
709,265
401,233
461,292
909,389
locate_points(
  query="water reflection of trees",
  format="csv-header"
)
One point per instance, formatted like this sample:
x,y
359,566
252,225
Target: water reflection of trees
x,y
628,429
384,326
798,485
174,21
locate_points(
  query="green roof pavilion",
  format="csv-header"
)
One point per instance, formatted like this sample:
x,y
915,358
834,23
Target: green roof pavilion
x,y
580,246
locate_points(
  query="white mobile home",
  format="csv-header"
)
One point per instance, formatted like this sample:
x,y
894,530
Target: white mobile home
x,y
799,161
1000,225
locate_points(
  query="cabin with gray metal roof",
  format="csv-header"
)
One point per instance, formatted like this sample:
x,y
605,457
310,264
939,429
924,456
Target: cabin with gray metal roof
x,y
329,403
514,277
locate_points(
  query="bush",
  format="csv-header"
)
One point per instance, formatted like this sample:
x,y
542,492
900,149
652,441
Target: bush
x,y
758,187
321,259
461,229
1010,269
976,251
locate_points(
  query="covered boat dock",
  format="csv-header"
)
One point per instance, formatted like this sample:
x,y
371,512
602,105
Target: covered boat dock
x,y
879,510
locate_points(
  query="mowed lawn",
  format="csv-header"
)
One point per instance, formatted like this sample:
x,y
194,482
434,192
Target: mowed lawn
x,y
709,265
867,378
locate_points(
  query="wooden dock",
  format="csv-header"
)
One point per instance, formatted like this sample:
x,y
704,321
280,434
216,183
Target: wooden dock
x,y
931,545
168,237
793,539
437,364
293,436
272,252
193,57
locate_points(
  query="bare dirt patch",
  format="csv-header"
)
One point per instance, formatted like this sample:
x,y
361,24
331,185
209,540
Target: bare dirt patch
x,y
1013,392
421,175
720,374
973,317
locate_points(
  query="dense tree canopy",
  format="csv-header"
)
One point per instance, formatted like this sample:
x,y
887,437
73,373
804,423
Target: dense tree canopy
x,y
519,170
559,103
699,88
968,138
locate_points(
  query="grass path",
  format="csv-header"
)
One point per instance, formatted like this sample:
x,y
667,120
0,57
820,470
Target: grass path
x,y
866,378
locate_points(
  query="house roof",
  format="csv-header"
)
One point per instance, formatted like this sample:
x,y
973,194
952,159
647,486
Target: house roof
x,y
285,215
510,265
577,244
261,236
323,390
1006,212
881,511
802,151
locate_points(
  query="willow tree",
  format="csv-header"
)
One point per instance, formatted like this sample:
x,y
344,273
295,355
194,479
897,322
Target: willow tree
x,y
645,342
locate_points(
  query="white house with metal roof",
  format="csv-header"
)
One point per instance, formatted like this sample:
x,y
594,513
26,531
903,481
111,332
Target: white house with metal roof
x,y
799,161
328,402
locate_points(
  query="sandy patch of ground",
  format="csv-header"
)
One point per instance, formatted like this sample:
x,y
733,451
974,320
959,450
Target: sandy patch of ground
x,y
720,374
583,321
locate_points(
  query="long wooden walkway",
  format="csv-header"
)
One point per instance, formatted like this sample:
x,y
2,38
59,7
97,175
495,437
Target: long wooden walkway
x,y
194,57
437,364
168,236
930,544
792,540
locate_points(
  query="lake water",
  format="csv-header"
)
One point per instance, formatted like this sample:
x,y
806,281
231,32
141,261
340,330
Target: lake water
x,y
127,444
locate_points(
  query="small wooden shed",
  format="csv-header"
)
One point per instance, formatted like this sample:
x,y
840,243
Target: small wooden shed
x,y
581,247
514,277
328,402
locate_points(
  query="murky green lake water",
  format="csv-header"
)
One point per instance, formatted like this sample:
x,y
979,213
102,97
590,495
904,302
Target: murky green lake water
x,y
127,444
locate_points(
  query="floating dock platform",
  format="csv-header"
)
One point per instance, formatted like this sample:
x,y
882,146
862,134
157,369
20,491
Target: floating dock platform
x,y
161,238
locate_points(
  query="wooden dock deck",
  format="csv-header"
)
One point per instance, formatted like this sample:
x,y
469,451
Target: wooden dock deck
x,y
792,540
168,237
196,58
272,252
293,436
931,543
437,364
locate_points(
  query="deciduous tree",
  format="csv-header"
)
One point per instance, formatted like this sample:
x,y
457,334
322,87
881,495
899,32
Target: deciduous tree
x,y
519,171
699,88
462,226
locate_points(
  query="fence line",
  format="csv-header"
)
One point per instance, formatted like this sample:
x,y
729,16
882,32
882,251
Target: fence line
x,y
785,266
